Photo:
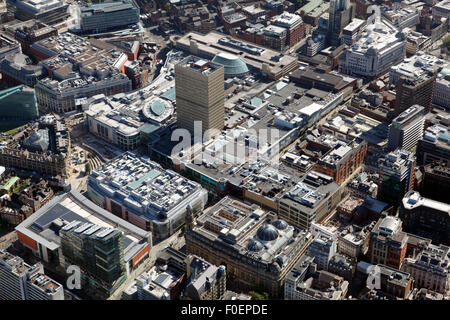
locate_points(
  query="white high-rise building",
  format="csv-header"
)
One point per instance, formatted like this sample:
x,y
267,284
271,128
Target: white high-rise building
x,y
406,129
20,281
379,46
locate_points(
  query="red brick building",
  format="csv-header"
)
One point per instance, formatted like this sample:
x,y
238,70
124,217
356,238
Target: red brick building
x,y
388,243
295,27
342,160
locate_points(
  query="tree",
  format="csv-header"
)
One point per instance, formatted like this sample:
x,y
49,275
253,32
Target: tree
x,y
446,41
259,296
88,168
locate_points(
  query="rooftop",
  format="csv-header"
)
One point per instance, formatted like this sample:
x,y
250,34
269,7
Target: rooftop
x,y
155,282
271,182
39,6
389,228
128,113
253,55
341,152
201,274
35,274
49,135
251,232
439,135
443,5
323,285
354,233
105,7
314,188
253,9
417,67
406,116
377,37
275,30
413,200
199,65
395,276
77,62
234,66
234,17
354,25
144,186
360,125
433,258
398,160
71,210
287,20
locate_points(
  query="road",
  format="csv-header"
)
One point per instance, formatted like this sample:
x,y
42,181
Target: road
x,y
175,240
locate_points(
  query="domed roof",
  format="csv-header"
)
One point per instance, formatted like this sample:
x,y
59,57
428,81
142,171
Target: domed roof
x,y
267,232
280,224
157,107
35,137
233,65
37,141
254,245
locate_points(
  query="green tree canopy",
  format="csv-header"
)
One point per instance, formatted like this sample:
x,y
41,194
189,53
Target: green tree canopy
x,y
446,41
259,295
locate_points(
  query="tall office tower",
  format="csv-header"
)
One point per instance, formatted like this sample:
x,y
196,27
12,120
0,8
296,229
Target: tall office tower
x,y
98,251
406,129
20,281
200,94
396,170
341,14
415,91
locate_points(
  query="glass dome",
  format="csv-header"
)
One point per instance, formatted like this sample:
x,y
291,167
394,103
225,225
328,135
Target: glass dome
x,y
267,232
254,245
280,224
157,107
234,66
37,141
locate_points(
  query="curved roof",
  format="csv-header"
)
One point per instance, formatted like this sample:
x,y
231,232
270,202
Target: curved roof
x,y
280,224
37,141
157,109
267,232
233,65
254,245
